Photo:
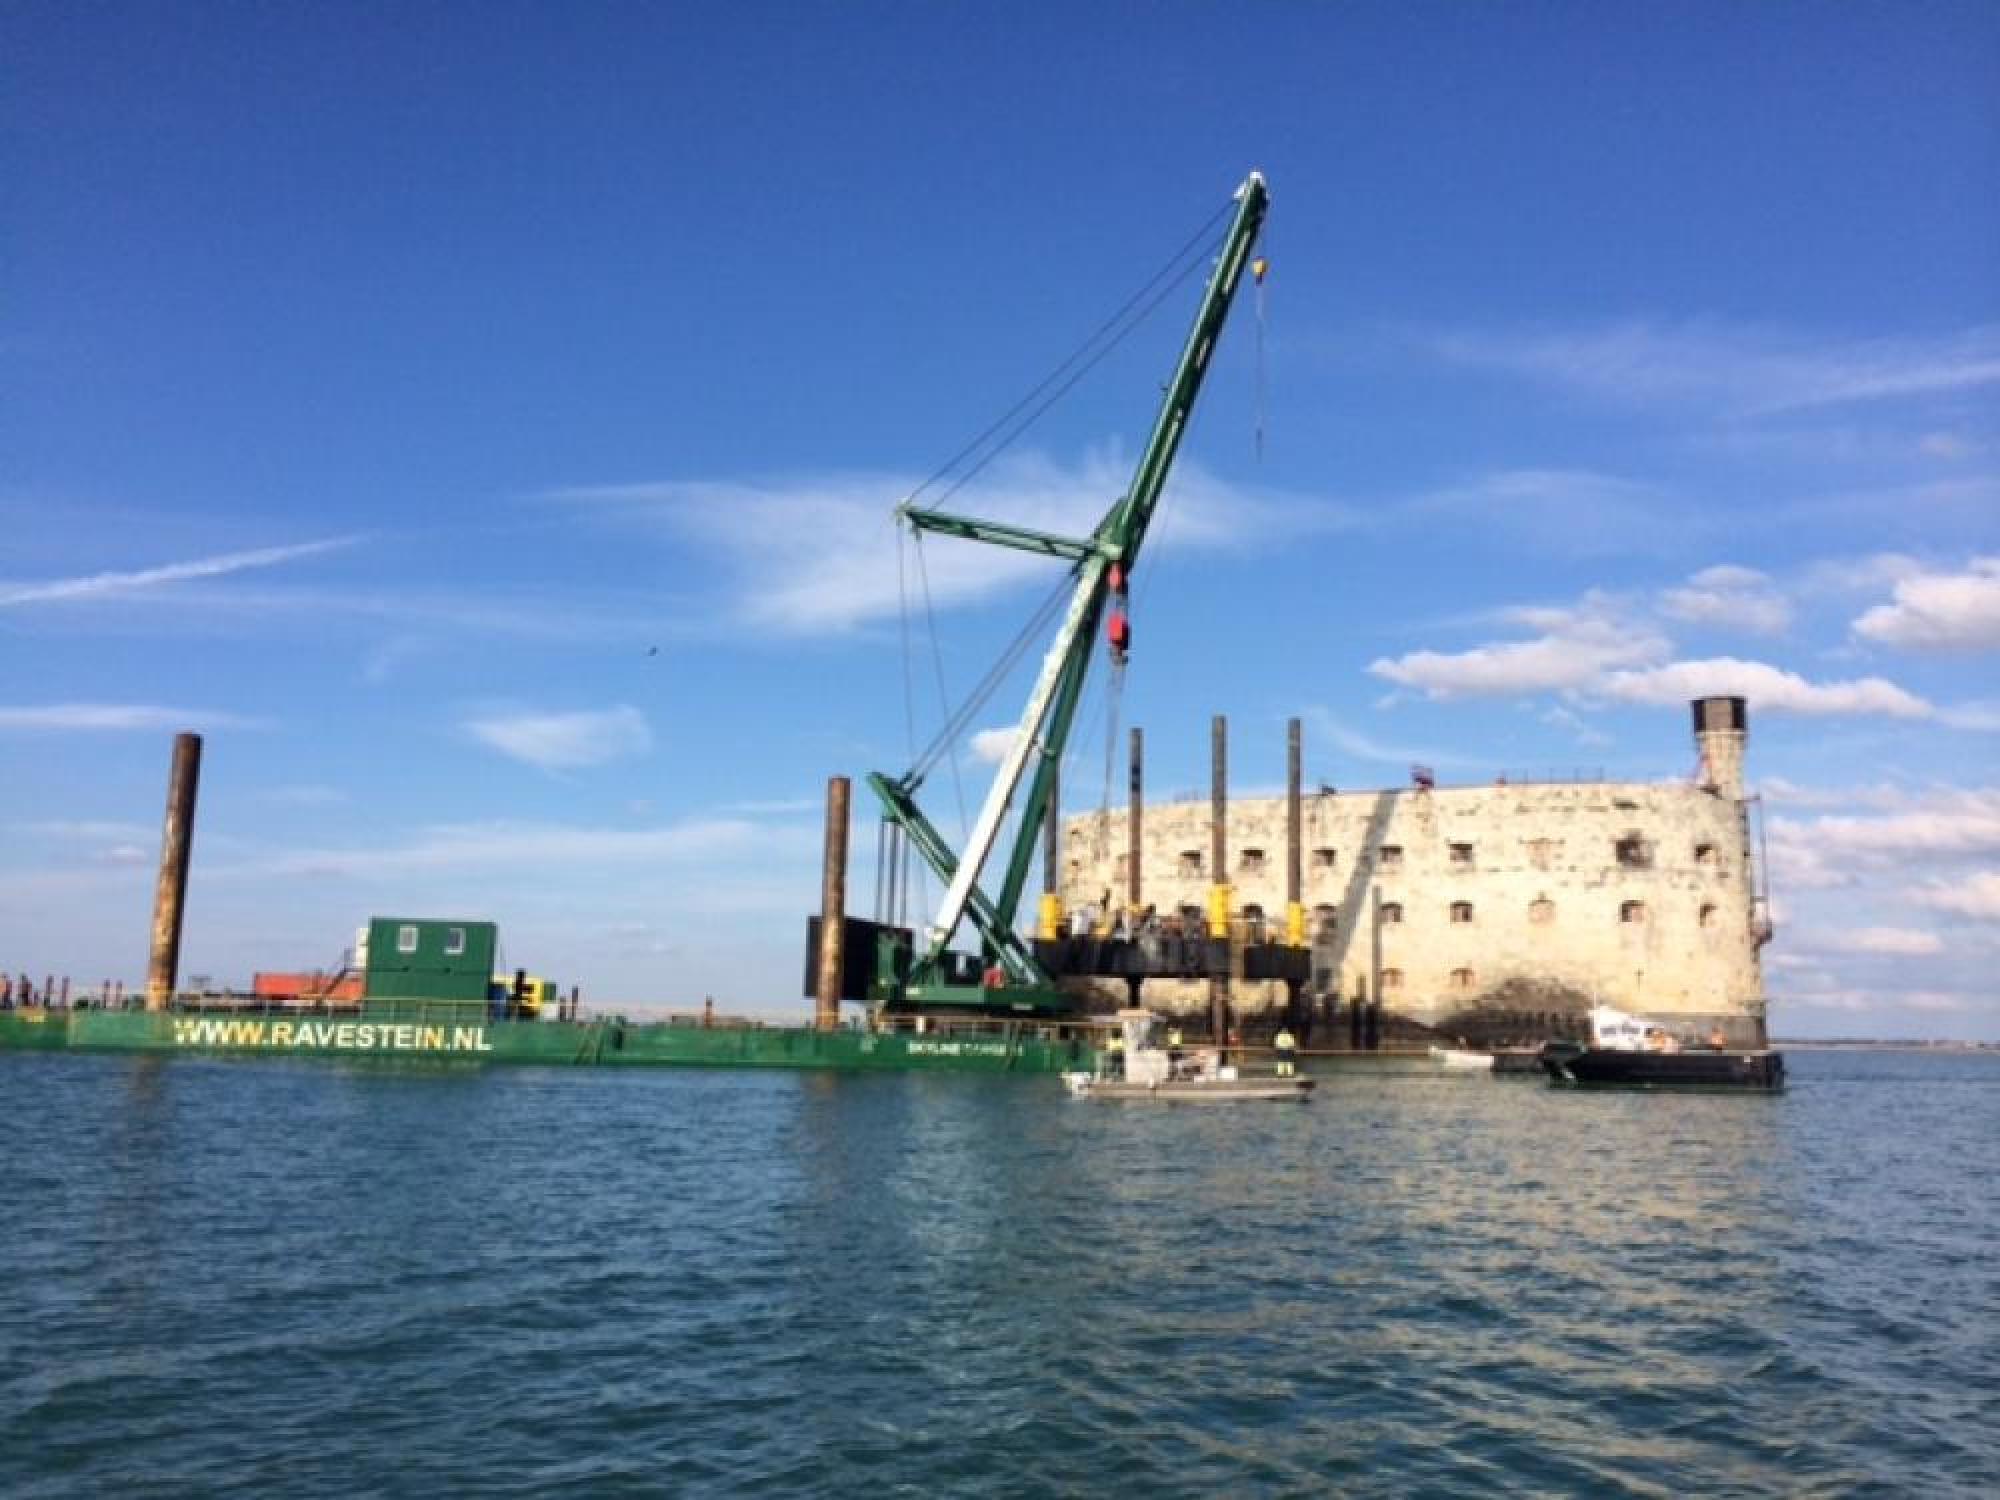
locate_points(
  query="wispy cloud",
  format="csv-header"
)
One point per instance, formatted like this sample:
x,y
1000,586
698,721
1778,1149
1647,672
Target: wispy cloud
x,y
1904,942
565,741
101,585
807,554
1892,848
69,717
1976,896
1573,512
1352,742
1729,596
1940,611
1740,369
521,846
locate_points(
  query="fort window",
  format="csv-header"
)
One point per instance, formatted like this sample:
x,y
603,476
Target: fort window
x,y
1541,909
1392,979
1632,911
1704,854
1392,911
1541,853
1194,921
1708,914
1326,919
1461,856
1253,861
1461,979
1389,856
1253,924
1190,861
1325,859
1461,912
1124,867
1633,852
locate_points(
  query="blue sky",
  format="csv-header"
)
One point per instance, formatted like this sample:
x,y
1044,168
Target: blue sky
x,y
483,422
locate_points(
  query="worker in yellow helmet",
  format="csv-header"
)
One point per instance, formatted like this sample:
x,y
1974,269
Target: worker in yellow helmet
x,y
1286,1045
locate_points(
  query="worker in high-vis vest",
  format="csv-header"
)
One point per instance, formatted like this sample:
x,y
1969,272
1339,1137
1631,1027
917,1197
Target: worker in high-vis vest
x,y
1286,1046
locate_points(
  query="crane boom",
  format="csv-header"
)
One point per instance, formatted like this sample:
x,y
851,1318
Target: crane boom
x,y
1107,554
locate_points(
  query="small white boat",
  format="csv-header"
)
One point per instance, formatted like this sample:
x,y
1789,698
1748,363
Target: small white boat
x,y
1139,1069
1462,1060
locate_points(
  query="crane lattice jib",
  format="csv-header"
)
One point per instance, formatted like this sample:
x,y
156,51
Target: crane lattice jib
x,y
1045,725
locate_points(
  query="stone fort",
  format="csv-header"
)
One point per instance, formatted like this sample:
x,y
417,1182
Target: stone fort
x,y
1485,909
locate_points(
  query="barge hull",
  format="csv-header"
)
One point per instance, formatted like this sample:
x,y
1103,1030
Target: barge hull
x,y
609,1043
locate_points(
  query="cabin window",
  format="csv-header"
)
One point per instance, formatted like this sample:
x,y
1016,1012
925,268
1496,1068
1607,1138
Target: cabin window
x,y
1708,914
1326,920
1253,861
1541,909
1461,979
1461,856
406,938
1704,854
1390,856
1325,859
1392,979
1392,911
454,942
1633,852
1461,912
1632,911
1190,861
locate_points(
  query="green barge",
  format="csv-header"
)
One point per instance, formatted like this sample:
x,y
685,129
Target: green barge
x,y
449,1031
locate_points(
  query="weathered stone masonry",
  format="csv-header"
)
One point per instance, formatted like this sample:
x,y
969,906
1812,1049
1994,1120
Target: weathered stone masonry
x,y
1507,897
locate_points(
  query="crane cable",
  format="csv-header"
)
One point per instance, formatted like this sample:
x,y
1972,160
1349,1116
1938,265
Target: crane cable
x,y
1258,268
1084,358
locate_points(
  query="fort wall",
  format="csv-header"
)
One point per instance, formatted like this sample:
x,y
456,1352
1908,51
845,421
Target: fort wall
x,y
1448,902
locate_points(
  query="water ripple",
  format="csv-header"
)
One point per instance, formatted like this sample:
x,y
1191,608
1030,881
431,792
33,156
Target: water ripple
x,y
272,1279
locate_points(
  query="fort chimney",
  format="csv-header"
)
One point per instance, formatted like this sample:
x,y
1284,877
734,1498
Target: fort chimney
x,y
1721,729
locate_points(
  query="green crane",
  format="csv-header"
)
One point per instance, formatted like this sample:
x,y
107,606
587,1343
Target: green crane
x,y
1101,566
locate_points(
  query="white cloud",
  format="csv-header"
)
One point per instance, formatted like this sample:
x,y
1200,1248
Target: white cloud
x,y
1352,742
522,846
808,554
1565,719
566,741
1767,687
1747,370
83,717
1904,942
1725,595
1577,647
1975,896
99,585
1893,849
1941,611
1577,512
991,745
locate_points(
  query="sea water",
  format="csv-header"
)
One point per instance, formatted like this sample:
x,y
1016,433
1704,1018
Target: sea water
x,y
277,1278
